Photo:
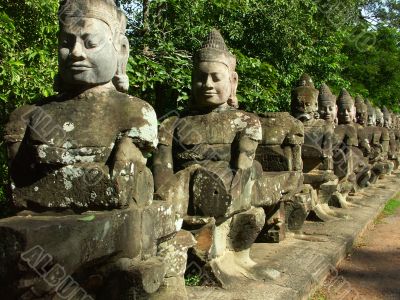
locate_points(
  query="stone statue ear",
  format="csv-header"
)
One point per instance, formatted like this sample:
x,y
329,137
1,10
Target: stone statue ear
x,y
121,80
233,101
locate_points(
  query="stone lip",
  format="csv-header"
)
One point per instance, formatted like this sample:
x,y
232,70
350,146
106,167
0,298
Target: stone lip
x,y
306,262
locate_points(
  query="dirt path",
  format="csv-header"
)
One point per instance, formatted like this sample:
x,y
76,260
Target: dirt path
x,y
372,271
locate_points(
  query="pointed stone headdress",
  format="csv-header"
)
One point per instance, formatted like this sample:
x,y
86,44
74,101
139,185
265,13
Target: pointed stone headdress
x,y
325,95
386,112
370,108
378,112
104,10
345,98
359,102
214,49
305,80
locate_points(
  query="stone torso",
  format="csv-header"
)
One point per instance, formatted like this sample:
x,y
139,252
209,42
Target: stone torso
x,y
207,137
91,125
66,143
281,133
317,138
345,134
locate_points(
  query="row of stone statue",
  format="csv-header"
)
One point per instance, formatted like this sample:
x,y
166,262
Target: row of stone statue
x,y
97,219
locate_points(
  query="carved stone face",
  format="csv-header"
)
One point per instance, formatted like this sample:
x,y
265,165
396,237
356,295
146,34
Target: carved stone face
x,y
371,117
328,111
306,104
362,115
379,117
87,56
212,84
387,121
346,113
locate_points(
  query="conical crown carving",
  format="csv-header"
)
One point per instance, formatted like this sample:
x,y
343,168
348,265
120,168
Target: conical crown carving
x,y
215,40
305,80
345,98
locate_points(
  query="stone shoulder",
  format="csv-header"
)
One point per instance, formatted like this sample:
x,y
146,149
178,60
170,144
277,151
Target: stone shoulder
x,y
15,128
144,126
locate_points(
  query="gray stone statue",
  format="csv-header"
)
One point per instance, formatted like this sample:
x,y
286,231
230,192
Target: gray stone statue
x,y
280,187
89,129
78,170
389,123
317,149
205,159
396,127
385,141
343,140
361,153
379,141
350,165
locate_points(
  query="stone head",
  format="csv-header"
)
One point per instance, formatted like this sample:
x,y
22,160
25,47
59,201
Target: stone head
x,y
387,118
327,107
346,108
371,114
396,122
379,117
214,80
304,103
361,111
93,49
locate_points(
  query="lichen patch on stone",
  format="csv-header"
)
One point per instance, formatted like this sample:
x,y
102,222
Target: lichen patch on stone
x,y
68,126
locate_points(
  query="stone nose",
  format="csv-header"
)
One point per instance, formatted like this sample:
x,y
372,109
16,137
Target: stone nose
x,y
209,82
77,51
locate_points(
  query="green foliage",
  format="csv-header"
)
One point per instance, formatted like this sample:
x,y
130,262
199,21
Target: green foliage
x,y
275,41
87,218
193,280
374,72
28,59
391,207
385,12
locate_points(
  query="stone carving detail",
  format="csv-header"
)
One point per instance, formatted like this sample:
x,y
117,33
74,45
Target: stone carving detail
x,y
75,156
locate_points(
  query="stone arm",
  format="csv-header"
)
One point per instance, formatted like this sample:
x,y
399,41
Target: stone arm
x,y
163,162
392,145
295,139
385,140
126,154
363,141
15,130
327,148
327,142
136,143
376,137
162,165
247,144
364,146
247,149
351,138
